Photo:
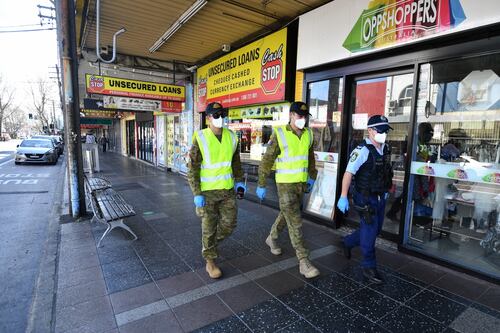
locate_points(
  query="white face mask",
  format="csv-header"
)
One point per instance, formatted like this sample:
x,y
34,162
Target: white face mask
x,y
300,123
380,137
218,122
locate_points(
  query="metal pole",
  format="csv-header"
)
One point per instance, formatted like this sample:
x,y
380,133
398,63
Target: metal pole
x,y
65,12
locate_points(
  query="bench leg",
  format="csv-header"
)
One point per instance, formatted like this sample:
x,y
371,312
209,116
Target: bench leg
x,y
116,224
104,234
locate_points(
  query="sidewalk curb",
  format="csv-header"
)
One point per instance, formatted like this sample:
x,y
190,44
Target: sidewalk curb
x,y
41,317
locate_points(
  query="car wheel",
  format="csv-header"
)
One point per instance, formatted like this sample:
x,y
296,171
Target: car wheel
x,y
17,163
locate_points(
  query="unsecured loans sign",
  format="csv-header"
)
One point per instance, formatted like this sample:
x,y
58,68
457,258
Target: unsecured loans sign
x,y
344,29
254,74
105,85
389,22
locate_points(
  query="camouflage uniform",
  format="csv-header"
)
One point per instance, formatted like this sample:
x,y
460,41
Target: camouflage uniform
x,y
290,197
218,217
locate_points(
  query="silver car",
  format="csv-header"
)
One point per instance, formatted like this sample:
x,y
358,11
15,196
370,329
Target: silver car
x,y
36,151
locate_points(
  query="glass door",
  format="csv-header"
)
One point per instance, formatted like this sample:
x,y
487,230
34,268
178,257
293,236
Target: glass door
x,y
146,137
391,96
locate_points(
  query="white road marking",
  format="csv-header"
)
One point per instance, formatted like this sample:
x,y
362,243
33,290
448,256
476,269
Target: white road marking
x,y
2,164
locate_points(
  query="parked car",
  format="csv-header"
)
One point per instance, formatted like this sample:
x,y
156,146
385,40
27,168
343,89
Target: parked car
x,y
36,151
56,139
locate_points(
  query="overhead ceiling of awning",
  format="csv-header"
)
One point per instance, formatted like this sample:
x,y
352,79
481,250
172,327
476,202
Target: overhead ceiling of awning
x,y
218,22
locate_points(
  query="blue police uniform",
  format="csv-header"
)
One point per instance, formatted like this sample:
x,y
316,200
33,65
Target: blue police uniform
x,y
372,179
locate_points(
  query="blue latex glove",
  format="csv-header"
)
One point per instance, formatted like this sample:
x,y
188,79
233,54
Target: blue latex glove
x,y
242,185
343,204
199,201
261,192
386,196
310,184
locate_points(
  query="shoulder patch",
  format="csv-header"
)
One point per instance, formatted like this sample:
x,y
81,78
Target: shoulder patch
x,y
354,156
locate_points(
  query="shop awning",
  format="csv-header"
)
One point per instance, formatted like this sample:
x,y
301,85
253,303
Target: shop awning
x,y
218,22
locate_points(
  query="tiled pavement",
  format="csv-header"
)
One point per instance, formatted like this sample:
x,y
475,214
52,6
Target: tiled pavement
x,y
158,283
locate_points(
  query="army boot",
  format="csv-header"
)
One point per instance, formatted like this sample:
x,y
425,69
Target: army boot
x,y
275,249
213,271
307,269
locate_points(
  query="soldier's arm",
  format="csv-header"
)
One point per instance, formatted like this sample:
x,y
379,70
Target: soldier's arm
x,y
272,152
194,167
236,165
313,173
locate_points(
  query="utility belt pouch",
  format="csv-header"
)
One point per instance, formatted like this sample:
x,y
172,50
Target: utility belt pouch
x,y
364,212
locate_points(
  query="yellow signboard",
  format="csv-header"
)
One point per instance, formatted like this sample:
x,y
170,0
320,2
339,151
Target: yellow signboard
x,y
253,74
105,85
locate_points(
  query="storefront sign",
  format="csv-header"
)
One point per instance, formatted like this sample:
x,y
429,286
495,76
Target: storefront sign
x,y
105,85
257,112
390,22
96,121
139,104
347,28
254,74
457,171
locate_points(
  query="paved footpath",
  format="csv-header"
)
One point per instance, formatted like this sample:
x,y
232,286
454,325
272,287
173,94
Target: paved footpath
x,y
158,283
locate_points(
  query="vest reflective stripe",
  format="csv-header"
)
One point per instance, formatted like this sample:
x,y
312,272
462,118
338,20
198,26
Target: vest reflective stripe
x,y
216,165
292,171
292,164
216,168
293,159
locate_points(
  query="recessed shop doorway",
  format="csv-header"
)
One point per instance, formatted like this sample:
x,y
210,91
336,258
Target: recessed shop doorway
x,y
388,94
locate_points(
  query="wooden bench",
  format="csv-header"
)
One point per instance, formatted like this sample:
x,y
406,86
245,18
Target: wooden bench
x,y
109,207
93,184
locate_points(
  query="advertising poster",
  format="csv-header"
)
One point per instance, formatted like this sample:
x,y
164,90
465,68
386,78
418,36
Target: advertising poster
x,y
253,74
105,85
139,104
161,142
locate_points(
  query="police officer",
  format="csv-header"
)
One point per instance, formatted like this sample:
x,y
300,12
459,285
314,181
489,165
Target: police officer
x,y
291,150
371,167
214,168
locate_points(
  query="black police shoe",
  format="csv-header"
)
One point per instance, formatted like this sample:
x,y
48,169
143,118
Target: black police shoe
x,y
372,275
346,249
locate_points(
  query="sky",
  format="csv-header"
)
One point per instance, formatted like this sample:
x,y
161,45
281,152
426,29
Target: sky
x,y
26,56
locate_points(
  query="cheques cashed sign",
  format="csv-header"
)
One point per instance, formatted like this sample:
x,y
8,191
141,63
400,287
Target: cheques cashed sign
x,y
253,74
387,22
105,85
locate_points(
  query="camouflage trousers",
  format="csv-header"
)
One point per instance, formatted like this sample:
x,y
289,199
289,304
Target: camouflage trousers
x,y
290,199
218,219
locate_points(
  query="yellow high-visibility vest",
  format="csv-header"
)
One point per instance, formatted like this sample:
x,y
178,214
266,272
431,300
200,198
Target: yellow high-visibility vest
x,y
292,164
216,169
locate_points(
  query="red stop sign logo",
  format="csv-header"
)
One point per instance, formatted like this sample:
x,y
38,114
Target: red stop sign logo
x,y
271,75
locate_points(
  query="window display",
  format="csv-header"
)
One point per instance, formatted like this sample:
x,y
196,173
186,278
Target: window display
x,y
325,107
454,189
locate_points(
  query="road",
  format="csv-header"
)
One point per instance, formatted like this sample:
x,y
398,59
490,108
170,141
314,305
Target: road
x,y
27,197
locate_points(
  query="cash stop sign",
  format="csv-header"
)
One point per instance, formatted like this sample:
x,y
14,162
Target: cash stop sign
x,y
271,76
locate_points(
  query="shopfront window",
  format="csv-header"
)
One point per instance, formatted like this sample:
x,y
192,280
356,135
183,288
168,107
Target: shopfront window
x,y
454,190
325,106
390,96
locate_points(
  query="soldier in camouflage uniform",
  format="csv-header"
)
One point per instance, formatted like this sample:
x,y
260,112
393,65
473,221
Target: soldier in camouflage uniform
x,y
214,168
291,148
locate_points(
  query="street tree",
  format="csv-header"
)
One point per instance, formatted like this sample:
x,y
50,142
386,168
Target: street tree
x,y
41,94
6,101
15,122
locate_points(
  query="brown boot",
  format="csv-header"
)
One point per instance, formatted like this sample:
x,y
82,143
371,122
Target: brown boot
x,y
213,271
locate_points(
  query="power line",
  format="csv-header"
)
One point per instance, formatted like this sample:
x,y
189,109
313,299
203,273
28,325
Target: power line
x,y
27,30
19,26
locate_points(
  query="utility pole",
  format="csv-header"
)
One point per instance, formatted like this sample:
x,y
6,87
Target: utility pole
x,y
66,36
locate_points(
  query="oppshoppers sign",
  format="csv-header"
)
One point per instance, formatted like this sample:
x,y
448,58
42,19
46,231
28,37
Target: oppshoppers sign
x,y
253,74
105,85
